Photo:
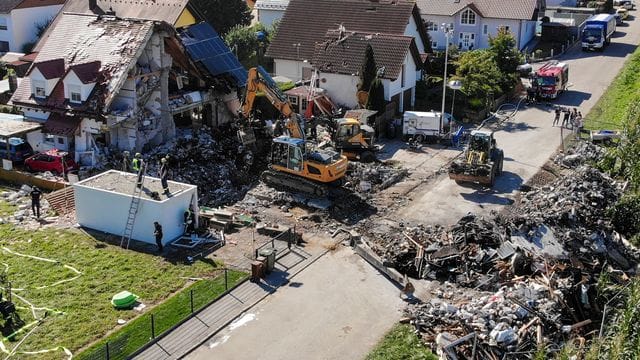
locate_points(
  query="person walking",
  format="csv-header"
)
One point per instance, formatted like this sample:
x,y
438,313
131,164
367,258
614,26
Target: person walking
x,y
35,201
556,118
157,232
138,164
164,175
579,124
189,218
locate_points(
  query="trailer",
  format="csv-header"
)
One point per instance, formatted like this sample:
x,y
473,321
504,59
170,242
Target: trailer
x,y
426,125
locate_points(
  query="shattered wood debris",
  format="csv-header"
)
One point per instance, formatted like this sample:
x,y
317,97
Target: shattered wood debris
x,y
211,159
538,265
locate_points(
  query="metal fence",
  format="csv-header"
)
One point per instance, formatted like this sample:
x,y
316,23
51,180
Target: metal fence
x,y
152,326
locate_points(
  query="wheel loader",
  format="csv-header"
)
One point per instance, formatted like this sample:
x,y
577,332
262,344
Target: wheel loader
x,y
481,161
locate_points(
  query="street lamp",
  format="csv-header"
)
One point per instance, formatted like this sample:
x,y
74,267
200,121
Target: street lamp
x,y
448,31
297,46
454,85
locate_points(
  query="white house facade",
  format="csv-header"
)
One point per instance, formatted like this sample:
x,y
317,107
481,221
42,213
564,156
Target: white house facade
x,y
270,11
474,22
19,21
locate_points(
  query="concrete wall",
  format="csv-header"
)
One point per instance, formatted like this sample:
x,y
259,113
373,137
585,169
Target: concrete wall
x,y
25,23
92,205
290,68
412,30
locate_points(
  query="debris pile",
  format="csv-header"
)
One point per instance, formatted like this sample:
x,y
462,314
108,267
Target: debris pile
x,y
212,159
21,199
373,177
538,263
511,323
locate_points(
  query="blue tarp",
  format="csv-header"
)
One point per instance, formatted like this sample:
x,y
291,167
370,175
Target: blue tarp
x,y
204,45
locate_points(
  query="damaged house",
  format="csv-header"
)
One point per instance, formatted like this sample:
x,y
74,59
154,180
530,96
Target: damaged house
x,y
343,28
102,82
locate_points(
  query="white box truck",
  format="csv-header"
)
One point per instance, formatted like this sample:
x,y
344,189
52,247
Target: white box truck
x,y
425,125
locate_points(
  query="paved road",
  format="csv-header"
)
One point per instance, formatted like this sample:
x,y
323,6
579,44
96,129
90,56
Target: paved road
x,y
528,139
338,308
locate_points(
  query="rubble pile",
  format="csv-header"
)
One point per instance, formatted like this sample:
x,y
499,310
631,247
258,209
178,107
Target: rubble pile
x,y
538,263
21,199
511,323
372,177
214,160
582,152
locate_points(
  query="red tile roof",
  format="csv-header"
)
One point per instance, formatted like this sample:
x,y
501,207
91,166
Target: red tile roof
x,y
87,72
345,56
84,41
50,69
37,3
307,21
29,57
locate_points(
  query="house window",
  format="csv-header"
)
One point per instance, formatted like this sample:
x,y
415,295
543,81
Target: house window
x,y
50,139
61,140
434,44
4,46
3,24
502,27
293,100
402,77
468,17
304,105
485,29
74,94
432,26
38,89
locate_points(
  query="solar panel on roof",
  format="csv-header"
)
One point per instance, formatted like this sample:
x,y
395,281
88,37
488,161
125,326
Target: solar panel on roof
x,y
203,44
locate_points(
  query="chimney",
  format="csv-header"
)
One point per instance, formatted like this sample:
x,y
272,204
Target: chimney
x,y
93,5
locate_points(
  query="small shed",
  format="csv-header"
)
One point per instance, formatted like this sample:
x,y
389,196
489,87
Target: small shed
x,y
102,203
554,32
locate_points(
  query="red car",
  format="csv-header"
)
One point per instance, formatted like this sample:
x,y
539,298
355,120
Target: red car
x,y
52,161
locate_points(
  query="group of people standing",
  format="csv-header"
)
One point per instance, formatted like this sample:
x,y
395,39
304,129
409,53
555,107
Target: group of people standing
x,y
571,118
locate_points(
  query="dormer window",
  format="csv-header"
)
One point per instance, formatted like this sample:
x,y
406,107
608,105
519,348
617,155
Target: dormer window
x,y
468,17
39,89
75,94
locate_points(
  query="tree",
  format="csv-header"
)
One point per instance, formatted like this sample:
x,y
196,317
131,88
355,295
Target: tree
x,y
376,100
368,69
506,56
479,73
243,42
223,15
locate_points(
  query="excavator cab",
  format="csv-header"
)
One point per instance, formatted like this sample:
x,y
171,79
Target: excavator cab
x,y
355,139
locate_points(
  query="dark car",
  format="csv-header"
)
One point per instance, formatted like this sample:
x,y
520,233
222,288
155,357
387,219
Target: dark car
x,y
52,160
19,150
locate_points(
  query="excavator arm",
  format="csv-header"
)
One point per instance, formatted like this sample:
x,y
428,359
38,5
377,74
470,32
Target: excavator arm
x,y
260,81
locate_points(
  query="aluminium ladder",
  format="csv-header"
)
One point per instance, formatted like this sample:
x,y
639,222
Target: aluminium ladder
x,y
133,208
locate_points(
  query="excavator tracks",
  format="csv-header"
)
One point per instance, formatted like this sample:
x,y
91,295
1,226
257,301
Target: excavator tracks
x,y
293,183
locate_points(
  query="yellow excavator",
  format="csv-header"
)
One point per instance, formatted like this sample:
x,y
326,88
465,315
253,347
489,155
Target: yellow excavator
x,y
293,164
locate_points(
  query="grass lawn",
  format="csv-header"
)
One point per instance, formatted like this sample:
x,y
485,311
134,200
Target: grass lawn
x,y
79,311
611,108
401,343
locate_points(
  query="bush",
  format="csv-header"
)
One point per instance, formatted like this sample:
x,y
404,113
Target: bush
x,y
625,216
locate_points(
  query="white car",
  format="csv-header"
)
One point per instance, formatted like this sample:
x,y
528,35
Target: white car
x,y
627,4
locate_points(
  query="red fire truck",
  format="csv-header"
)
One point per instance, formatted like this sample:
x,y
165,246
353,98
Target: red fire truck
x,y
551,79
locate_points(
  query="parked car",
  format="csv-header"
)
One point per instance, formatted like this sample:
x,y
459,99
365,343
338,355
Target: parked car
x,y
52,161
19,150
624,13
627,4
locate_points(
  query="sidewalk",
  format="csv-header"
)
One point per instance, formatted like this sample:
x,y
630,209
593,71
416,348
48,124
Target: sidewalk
x,y
212,319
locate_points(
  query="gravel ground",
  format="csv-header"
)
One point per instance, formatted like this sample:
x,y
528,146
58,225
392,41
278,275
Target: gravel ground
x,y
124,183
